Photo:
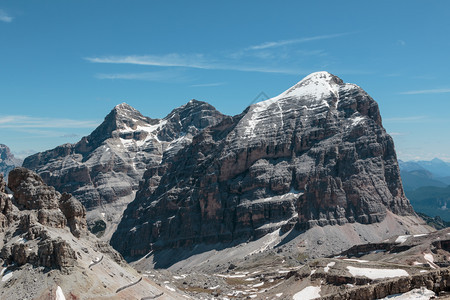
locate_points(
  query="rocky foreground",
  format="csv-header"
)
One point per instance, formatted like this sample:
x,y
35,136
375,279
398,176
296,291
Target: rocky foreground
x,y
409,266
46,251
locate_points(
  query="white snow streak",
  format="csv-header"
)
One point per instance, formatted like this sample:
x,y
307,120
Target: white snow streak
x,y
308,293
329,265
357,120
214,287
356,260
170,288
60,294
419,235
401,239
7,276
376,273
430,259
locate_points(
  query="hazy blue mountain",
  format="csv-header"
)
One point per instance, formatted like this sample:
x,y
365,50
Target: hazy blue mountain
x,y
427,186
416,174
431,200
436,166
419,178
409,166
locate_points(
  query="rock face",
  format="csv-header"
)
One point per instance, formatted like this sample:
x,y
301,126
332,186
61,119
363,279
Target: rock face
x,y
45,247
103,170
31,210
315,155
7,160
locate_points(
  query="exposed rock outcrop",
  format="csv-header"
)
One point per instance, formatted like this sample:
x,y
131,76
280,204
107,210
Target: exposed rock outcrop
x,y
75,214
30,211
315,155
44,246
5,206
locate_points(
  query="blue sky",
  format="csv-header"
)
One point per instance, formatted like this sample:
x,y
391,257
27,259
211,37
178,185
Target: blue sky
x,y
65,64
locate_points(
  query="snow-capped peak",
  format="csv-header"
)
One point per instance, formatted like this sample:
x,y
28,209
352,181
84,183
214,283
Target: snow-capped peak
x,y
124,106
314,88
315,85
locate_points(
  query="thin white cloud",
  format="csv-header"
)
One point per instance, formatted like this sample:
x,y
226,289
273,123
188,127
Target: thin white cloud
x,y
266,45
168,60
4,17
396,133
17,121
208,84
405,119
432,91
264,59
146,76
197,61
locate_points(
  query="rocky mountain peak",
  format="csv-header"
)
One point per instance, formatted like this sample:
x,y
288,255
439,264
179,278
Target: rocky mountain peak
x,y
124,107
315,85
103,169
196,114
192,106
316,89
124,116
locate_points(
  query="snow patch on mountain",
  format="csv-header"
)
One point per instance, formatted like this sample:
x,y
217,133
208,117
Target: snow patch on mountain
x,y
376,273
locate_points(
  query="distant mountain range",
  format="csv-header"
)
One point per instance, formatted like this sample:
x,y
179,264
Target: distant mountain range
x,y
427,186
415,174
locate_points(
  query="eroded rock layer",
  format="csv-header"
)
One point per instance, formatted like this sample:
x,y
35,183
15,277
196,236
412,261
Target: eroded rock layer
x,y
46,251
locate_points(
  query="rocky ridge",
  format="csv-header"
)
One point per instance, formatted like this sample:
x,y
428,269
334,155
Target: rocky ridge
x,y
45,248
103,170
7,160
316,155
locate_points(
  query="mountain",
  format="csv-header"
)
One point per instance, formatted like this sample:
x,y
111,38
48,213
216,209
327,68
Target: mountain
x,y
415,179
426,185
313,163
417,174
47,252
7,160
431,200
409,166
103,169
436,166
